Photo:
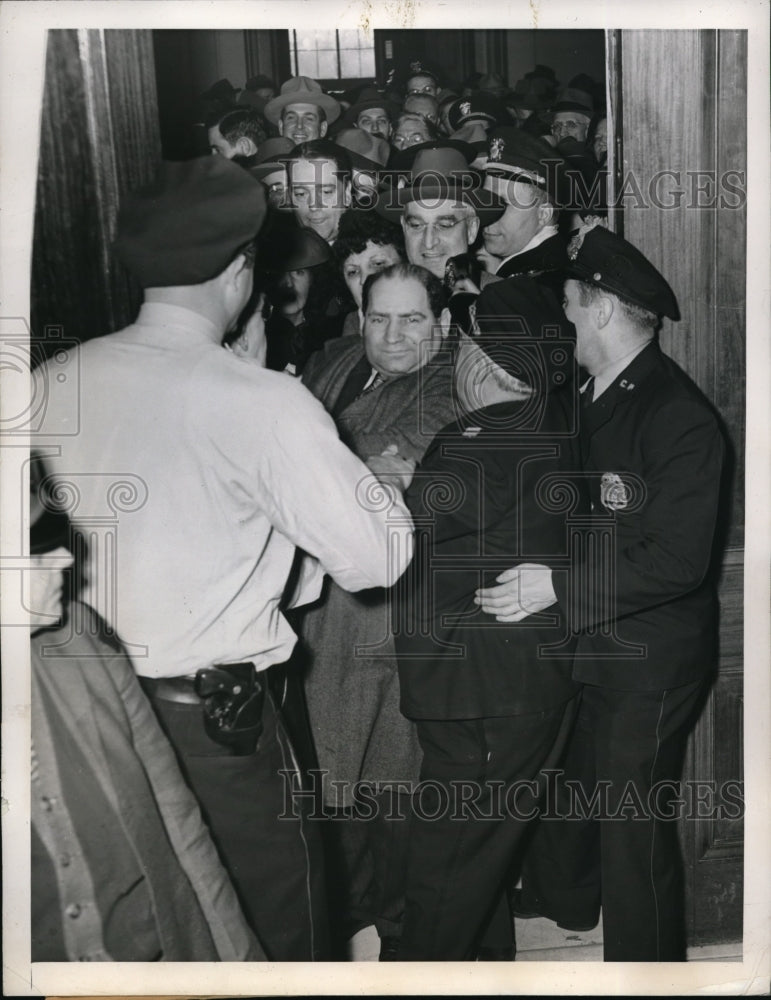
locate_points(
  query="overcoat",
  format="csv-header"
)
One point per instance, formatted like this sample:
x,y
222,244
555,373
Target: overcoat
x,y
352,684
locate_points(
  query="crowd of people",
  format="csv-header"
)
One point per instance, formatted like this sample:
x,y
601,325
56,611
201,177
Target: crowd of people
x,y
427,517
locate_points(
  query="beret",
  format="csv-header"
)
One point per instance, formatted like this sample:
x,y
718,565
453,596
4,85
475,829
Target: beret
x,y
602,258
185,227
509,318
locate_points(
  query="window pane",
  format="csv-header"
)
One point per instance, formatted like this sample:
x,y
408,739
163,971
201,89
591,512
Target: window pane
x,y
307,63
327,65
351,39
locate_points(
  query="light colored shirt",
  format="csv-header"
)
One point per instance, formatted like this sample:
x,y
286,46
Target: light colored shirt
x,y
540,237
227,468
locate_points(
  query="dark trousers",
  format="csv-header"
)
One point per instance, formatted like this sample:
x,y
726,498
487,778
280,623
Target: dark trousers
x,y
271,850
627,858
459,857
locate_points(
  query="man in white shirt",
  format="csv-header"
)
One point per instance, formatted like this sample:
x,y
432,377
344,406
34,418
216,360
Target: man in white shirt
x,y
232,468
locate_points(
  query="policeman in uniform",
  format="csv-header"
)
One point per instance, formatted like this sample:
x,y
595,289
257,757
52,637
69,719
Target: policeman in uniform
x,y
652,456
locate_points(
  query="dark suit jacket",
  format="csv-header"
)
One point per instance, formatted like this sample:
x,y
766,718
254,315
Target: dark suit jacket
x,y
477,511
652,455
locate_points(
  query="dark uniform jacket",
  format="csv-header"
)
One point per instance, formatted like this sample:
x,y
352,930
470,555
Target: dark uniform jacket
x,y
544,264
478,510
652,455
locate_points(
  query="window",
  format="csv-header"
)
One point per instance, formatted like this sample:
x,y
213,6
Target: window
x,y
332,55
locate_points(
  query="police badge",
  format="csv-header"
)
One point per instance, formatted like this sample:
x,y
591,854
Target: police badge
x,y
613,493
496,148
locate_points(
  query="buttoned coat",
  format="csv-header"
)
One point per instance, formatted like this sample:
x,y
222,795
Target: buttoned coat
x,y
652,459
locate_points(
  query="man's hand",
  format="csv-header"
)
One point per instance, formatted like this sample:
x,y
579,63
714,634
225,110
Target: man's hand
x,y
390,467
523,590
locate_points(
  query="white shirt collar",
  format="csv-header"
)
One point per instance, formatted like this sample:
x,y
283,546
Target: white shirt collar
x,y
540,237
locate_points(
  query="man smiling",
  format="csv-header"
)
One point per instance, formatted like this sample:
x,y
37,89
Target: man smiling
x,y
302,111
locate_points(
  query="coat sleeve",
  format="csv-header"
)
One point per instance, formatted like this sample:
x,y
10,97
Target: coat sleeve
x,y
184,824
668,554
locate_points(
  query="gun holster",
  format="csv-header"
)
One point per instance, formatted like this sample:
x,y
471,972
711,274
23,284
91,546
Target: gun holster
x,y
233,695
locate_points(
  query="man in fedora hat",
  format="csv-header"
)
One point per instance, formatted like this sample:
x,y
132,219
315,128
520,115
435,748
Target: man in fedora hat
x,y
221,454
652,454
442,206
302,111
571,115
372,112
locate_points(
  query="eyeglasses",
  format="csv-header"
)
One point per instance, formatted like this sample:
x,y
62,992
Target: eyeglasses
x,y
568,126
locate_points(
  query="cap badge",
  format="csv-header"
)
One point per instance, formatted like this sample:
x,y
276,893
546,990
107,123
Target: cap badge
x,y
416,66
465,108
587,225
613,493
496,148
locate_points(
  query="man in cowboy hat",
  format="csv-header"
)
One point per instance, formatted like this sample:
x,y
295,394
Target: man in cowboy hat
x,y
442,207
224,452
652,452
302,111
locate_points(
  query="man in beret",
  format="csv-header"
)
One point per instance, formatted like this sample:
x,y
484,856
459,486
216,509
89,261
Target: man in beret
x,y
302,111
652,455
220,455
491,704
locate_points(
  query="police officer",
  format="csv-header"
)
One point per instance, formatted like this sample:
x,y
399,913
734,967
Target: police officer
x,y
652,453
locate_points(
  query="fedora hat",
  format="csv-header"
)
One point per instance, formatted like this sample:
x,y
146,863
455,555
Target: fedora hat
x,y
572,99
296,247
445,156
441,174
271,156
301,90
367,152
368,99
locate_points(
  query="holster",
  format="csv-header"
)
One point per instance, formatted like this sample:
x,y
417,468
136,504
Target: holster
x,y
233,696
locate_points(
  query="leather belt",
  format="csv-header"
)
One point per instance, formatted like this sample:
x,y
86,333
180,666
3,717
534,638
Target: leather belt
x,y
178,689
